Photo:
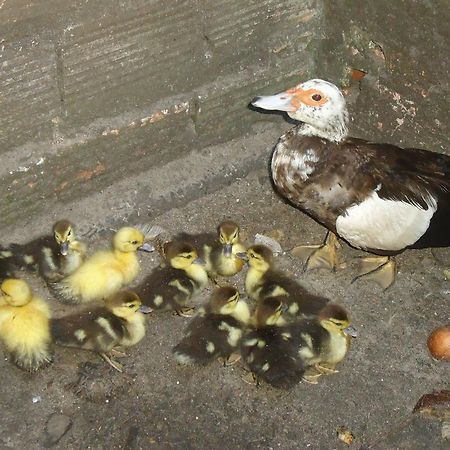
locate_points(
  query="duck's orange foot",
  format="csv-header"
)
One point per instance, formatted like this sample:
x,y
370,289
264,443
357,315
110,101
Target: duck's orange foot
x,y
319,256
381,269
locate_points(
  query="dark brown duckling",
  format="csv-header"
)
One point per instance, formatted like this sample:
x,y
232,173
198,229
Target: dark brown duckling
x,y
216,331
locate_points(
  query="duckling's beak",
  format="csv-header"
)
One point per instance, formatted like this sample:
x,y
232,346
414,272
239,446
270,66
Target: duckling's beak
x,y
146,247
227,250
243,256
199,261
351,331
145,309
64,248
278,102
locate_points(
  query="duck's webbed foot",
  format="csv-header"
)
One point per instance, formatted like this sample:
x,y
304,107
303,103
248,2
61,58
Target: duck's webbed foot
x,y
114,364
325,369
311,375
320,256
381,269
251,378
230,360
185,311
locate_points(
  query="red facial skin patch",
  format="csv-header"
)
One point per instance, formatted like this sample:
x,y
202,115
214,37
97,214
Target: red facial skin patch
x,y
301,96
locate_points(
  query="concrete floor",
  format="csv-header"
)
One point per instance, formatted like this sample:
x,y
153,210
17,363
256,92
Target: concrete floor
x,y
157,404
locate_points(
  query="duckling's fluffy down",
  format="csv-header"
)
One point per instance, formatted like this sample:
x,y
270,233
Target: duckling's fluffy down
x,y
100,276
25,333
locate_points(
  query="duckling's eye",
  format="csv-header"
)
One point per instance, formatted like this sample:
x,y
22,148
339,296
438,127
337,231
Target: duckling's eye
x,y
188,256
131,305
316,97
134,242
69,233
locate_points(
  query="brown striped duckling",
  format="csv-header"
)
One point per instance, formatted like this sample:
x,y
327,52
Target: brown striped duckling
x,y
24,325
119,323
216,331
54,256
264,280
323,342
171,287
219,251
105,272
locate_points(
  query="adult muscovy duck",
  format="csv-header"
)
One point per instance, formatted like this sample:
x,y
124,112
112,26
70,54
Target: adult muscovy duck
x,y
378,197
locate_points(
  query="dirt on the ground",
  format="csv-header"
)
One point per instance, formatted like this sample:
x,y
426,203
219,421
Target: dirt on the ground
x,y
155,403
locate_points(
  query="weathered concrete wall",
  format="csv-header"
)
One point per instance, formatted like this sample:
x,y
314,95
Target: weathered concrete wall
x,y
94,93
107,89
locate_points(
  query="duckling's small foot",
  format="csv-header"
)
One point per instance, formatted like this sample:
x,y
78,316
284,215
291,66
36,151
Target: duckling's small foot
x,y
311,375
381,269
114,364
319,256
185,311
117,353
230,360
250,378
325,369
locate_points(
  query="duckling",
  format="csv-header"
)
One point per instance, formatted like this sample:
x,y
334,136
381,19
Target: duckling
x,y
323,342
24,325
268,348
219,254
221,257
105,272
263,280
53,256
119,323
171,287
216,331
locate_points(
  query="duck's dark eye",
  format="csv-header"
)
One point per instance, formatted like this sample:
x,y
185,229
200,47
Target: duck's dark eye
x,y
134,242
316,97
131,306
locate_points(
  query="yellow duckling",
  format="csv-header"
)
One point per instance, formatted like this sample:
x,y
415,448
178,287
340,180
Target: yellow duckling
x,y
219,251
171,287
323,342
24,325
221,257
119,323
54,256
268,349
263,280
216,331
105,272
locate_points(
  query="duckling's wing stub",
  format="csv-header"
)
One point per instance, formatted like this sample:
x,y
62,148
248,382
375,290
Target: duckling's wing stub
x,y
97,330
208,338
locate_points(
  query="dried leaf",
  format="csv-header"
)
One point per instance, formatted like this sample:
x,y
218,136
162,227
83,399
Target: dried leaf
x,y
358,74
436,404
345,435
276,234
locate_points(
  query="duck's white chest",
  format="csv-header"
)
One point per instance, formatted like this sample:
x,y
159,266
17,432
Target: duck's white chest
x,y
384,224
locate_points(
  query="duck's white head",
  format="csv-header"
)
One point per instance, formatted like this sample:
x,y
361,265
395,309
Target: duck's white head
x,y
319,104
